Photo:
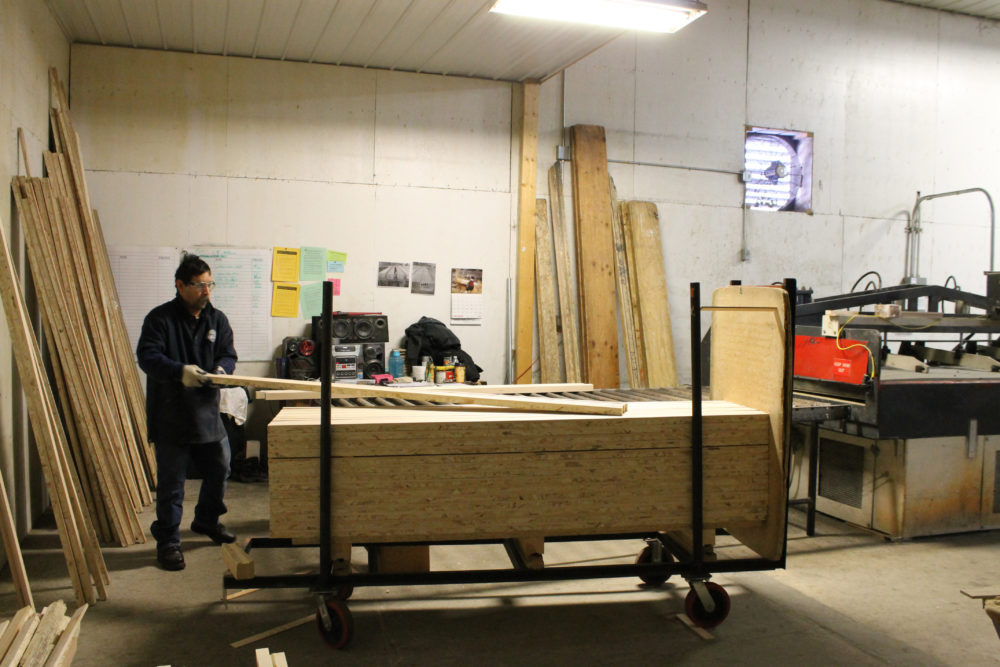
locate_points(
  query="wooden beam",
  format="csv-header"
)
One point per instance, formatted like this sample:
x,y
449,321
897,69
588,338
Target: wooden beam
x,y
458,397
525,296
569,322
595,256
545,290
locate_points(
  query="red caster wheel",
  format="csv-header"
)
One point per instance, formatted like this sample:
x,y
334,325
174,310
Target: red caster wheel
x,y
696,610
341,624
646,556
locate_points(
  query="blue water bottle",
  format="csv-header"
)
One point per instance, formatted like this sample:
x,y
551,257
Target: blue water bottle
x,y
395,364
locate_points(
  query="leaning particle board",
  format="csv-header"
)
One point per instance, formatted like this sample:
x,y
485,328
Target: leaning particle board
x,y
751,365
545,315
647,249
411,475
595,256
568,319
356,390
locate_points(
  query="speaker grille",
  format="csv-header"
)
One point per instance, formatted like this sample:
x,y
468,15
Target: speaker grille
x,y
841,472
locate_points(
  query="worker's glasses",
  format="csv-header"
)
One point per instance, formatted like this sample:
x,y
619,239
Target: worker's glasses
x,y
203,286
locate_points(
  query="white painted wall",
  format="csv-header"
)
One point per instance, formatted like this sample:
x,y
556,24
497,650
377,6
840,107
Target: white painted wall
x,y
30,43
900,99
199,149
187,150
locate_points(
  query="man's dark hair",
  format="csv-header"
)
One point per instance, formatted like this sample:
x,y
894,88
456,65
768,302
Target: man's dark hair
x,y
191,265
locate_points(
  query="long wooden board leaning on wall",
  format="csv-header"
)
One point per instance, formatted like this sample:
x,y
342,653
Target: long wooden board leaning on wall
x,y
594,257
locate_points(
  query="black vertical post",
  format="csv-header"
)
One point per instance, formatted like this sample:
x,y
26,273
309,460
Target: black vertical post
x,y
697,480
792,289
325,481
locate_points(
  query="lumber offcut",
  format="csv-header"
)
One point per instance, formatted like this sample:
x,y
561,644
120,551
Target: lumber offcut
x,y
595,257
548,337
569,322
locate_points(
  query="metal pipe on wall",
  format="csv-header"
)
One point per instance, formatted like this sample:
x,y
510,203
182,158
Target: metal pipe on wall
x,y
913,231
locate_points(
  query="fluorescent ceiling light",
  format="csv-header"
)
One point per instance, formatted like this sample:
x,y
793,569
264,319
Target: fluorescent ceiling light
x,y
650,15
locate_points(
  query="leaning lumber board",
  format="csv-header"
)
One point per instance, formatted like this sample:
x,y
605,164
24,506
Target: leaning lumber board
x,y
523,353
636,370
751,365
15,559
545,298
568,320
595,256
354,390
48,433
657,336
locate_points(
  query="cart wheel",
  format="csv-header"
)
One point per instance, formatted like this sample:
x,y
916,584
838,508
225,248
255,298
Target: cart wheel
x,y
341,624
646,556
345,592
696,611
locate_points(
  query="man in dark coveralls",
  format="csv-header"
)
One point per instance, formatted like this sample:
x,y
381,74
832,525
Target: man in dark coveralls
x,y
180,340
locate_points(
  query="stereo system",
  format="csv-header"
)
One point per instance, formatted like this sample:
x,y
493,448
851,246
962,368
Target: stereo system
x,y
302,356
367,331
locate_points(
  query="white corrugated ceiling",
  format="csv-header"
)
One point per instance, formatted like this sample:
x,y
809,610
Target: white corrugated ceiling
x,y
455,37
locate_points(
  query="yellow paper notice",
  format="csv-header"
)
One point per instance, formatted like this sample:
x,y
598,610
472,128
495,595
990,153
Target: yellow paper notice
x,y
285,265
285,300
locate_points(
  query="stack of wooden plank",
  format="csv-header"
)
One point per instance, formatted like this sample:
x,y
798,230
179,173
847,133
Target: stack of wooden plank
x,y
403,474
84,560
618,252
96,377
47,639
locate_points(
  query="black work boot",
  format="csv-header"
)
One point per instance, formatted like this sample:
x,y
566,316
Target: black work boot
x,y
218,533
170,558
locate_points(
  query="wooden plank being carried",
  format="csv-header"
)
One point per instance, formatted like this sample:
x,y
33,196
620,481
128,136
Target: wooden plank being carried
x,y
595,257
355,390
525,296
657,336
545,314
569,323
297,395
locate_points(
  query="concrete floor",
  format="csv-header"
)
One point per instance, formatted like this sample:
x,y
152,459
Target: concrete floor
x,y
847,598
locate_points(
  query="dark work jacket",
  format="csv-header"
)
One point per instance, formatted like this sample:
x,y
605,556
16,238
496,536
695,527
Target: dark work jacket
x,y
171,339
429,337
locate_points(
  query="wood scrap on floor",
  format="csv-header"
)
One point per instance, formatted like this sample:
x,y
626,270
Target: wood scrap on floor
x,y
30,639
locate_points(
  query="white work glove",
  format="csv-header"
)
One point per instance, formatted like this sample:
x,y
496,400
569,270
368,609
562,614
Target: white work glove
x,y
192,376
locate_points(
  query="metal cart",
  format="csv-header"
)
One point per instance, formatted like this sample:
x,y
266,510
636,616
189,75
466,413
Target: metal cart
x,y
707,604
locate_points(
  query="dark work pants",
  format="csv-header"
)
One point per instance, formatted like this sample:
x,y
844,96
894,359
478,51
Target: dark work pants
x,y
212,458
